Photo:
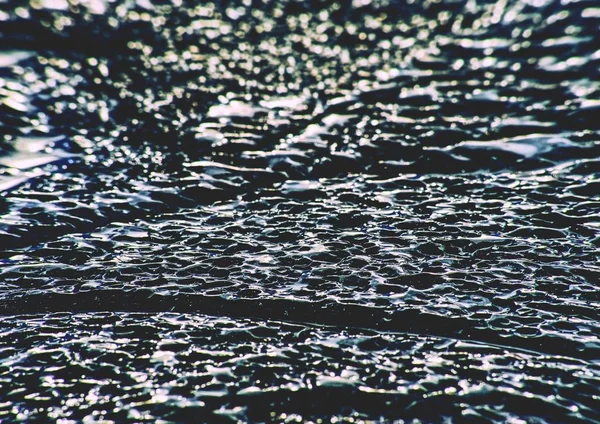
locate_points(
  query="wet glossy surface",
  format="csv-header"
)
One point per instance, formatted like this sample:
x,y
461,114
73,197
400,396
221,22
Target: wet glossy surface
x,y
295,211
174,366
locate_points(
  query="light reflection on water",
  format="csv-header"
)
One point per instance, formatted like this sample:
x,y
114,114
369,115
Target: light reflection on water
x,y
290,211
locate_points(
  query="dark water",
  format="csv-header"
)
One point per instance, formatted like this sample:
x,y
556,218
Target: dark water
x,y
290,211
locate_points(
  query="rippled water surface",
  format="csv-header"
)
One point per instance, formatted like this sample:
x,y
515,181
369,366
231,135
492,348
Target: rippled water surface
x,y
291,211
